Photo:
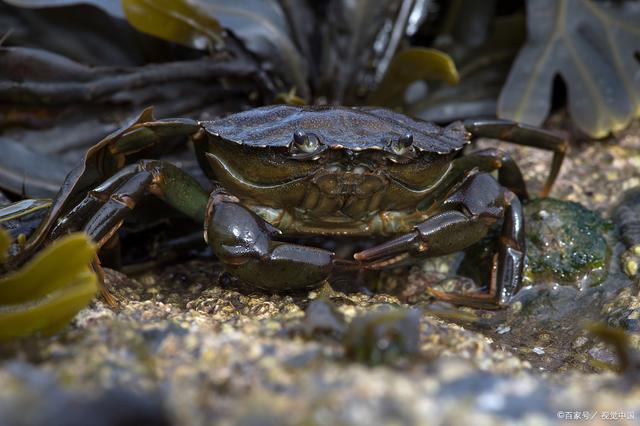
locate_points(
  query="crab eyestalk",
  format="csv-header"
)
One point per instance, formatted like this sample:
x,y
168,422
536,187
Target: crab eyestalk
x,y
402,144
304,142
305,146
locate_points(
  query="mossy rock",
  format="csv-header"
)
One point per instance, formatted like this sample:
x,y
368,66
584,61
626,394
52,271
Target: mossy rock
x,y
565,244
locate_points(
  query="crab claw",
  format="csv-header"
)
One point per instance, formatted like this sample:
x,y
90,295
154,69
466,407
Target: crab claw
x,y
443,233
246,245
403,244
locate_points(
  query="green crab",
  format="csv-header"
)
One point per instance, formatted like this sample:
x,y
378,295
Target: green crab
x,y
281,172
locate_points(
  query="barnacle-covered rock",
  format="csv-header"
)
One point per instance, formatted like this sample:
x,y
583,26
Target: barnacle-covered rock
x,y
623,311
565,243
627,218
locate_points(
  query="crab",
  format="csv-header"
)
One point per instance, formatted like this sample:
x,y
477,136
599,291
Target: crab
x,y
280,172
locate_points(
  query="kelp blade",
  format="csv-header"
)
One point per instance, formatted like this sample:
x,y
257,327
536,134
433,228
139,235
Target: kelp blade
x,y
177,20
411,65
51,313
22,208
5,243
48,291
50,270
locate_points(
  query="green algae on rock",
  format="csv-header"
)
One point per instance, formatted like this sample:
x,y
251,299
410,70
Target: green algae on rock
x,y
565,243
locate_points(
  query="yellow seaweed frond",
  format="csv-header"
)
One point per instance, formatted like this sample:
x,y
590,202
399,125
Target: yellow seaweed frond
x,y
5,243
46,293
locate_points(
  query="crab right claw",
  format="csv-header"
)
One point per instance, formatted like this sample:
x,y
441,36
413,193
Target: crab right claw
x,y
244,244
477,205
442,233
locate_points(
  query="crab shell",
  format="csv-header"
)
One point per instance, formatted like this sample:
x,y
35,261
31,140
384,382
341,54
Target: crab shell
x,y
334,163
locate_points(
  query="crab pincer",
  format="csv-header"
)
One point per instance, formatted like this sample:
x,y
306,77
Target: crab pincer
x,y
246,244
469,219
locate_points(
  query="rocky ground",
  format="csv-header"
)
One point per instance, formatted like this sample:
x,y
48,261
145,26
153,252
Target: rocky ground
x,y
187,347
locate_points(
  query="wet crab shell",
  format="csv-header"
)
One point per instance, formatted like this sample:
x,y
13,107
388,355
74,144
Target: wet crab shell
x,y
356,162
352,128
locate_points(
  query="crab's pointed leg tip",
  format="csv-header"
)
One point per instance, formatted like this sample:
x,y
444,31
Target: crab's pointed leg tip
x,y
390,248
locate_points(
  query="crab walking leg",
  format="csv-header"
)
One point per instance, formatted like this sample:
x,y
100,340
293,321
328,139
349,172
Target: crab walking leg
x,y
152,133
467,216
508,263
78,215
521,134
490,159
245,244
105,208
108,219
111,152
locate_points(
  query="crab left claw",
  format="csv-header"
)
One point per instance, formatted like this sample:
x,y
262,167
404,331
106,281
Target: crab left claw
x,y
245,244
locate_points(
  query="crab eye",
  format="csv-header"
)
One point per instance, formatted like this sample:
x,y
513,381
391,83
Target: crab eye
x,y
305,143
402,145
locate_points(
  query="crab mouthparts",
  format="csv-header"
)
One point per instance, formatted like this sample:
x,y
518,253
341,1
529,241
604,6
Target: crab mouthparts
x,y
356,181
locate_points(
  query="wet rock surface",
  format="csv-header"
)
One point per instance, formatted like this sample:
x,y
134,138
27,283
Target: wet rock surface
x,y
187,345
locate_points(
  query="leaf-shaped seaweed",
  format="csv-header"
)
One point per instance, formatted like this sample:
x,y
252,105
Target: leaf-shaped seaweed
x,y
410,65
483,68
5,243
594,47
48,291
263,28
180,21
260,24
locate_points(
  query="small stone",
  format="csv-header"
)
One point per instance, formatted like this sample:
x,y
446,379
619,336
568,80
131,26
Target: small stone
x,y
630,183
516,306
538,350
580,341
565,243
599,198
631,268
382,337
322,318
503,329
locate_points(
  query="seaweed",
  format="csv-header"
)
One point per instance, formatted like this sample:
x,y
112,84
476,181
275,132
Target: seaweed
x,y
46,293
